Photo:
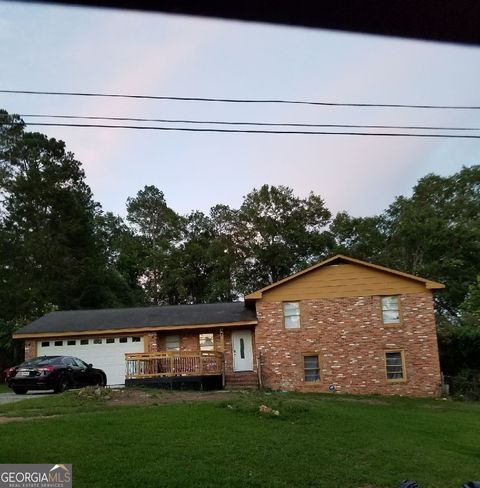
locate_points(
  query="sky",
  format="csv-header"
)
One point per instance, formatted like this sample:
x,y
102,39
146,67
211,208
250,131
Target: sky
x,y
59,48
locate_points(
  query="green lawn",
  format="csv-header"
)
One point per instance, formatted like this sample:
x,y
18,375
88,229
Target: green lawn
x,y
316,441
4,388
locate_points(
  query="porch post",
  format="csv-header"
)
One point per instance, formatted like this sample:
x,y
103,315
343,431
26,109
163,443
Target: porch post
x,y
222,341
222,349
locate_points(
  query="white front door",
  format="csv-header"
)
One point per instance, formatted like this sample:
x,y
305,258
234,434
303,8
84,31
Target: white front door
x,y
242,350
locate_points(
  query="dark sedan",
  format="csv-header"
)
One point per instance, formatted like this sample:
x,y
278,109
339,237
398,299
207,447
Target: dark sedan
x,y
58,373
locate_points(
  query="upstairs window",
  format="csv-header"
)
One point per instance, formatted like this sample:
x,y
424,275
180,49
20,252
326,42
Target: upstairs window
x,y
172,343
291,315
391,310
395,365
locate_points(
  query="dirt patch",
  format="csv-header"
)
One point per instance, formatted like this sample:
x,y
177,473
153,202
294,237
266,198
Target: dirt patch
x,y
369,401
11,420
133,396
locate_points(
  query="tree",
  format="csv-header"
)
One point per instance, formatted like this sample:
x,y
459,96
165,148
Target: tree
x,y
50,252
436,234
361,237
159,230
277,234
470,308
201,268
124,255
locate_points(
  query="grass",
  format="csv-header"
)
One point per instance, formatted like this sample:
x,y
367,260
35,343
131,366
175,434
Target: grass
x,y
316,441
4,388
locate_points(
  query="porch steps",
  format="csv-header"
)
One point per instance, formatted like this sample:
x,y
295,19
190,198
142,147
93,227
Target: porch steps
x,y
245,380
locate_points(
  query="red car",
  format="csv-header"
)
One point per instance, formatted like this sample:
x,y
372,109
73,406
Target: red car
x,y
58,373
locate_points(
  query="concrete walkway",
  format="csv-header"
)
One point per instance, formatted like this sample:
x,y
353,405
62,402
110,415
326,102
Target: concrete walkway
x,y
11,397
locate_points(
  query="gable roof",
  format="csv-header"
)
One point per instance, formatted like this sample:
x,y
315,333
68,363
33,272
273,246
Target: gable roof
x,y
82,321
429,284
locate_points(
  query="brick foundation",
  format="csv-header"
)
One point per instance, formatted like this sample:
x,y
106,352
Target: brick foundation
x,y
350,338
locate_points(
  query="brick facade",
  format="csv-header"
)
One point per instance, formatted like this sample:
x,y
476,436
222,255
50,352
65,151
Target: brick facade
x,y
350,339
30,349
151,342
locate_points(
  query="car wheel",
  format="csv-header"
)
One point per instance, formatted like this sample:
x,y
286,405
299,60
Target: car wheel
x,y
62,385
20,391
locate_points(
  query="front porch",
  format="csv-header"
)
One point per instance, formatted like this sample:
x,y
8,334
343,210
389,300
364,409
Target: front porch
x,y
181,369
200,359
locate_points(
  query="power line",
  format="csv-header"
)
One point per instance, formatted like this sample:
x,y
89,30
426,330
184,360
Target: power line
x,y
241,100
269,124
247,131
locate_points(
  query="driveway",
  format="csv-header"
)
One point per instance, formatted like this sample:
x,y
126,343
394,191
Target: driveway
x,y
12,397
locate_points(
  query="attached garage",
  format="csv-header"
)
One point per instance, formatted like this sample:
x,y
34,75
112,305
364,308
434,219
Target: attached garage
x,y
107,353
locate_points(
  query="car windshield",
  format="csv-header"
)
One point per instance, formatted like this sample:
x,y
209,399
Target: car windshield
x,y
41,360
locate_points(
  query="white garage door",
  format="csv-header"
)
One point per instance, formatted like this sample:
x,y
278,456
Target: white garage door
x,y
104,353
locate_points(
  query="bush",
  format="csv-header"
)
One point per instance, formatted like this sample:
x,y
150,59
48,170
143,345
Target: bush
x,y
459,348
465,385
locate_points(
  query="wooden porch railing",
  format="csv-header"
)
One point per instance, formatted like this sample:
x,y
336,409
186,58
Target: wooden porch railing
x,y
173,363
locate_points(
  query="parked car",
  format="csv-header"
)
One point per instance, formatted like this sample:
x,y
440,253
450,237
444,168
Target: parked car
x,y
58,373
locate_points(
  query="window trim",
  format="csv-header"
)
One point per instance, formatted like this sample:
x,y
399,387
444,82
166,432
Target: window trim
x,y
320,380
404,368
299,315
400,311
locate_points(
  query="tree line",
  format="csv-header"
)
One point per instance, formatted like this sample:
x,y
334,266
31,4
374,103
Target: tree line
x,y
60,250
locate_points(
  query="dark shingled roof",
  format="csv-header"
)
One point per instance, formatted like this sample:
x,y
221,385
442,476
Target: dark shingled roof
x,y
119,318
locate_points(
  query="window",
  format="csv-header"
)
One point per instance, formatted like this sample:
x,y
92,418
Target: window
x,y
97,341
41,361
80,363
71,343
45,344
59,343
206,342
391,310
69,361
311,368
122,340
242,348
291,315
394,365
172,343
83,342
110,340
135,339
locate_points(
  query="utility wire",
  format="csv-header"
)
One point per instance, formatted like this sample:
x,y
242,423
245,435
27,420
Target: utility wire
x,y
245,131
240,100
269,124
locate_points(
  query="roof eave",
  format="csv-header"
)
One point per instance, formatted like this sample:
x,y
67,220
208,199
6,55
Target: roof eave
x,y
129,330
